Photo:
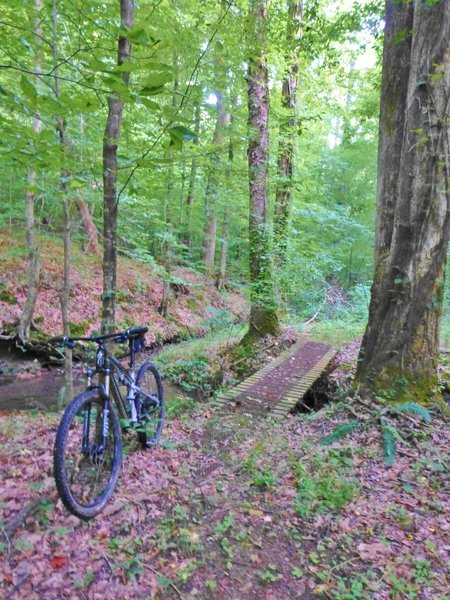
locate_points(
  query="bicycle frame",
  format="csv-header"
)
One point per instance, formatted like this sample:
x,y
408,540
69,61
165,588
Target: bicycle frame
x,y
87,454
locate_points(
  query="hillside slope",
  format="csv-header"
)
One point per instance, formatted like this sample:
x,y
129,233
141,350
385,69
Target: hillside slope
x,y
194,301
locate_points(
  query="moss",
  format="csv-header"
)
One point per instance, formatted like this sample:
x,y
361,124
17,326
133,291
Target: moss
x,y
392,386
38,337
78,329
263,322
6,295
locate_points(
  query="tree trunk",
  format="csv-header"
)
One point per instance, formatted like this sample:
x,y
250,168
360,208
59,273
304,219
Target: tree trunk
x,y
110,141
163,308
192,179
33,268
91,246
401,342
212,187
65,294
263,315
288,134
221,276
63,143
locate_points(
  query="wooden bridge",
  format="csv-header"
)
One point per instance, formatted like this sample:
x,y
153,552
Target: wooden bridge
x,y
275,389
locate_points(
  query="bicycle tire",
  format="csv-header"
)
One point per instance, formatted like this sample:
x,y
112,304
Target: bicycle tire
x,y
150,414
72,465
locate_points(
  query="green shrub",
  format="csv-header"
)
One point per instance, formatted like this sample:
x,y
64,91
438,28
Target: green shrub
x,y
191,375
323,485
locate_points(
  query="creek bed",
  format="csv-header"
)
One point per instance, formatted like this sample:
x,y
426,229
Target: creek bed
x,y
45,391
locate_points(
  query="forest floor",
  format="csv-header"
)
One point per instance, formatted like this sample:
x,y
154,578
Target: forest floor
x,y
235,508
194,301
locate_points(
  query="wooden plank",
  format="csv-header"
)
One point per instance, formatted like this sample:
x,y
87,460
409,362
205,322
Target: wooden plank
x,y
300,385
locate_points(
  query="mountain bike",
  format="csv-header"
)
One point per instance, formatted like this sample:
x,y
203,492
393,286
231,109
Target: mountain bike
x,y
87,455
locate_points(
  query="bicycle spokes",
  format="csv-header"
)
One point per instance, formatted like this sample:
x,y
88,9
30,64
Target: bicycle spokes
x,y
89,453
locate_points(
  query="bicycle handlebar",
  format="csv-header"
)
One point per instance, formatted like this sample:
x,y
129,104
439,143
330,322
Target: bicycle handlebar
x,y
119,337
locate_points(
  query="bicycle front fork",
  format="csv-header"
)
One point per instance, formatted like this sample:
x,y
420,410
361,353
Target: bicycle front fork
x,y
102,421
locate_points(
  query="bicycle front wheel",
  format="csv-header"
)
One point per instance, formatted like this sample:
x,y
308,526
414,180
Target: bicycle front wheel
x,y
150,405
87,455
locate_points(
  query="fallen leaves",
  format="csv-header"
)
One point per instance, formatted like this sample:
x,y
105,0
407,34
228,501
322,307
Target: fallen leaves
x,y
373,551
59,562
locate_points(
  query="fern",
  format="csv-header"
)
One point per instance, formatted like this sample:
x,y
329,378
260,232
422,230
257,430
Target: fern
x,y
388,435
340,432
415,409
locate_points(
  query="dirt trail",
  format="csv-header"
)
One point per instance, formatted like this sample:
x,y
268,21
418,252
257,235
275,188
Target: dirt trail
x,y
232,507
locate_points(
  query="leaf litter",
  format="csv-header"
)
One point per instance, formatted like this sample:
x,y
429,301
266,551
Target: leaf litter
x,y
233,507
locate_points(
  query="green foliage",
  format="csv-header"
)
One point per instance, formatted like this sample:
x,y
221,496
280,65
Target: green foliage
x,y
340,432
6,295
190,375
388,437
323,485
413,408
264,479
270,575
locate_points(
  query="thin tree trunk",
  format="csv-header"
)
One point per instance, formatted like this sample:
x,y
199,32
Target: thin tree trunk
x,y
192,178
65,291
33,269
91,245
212,187
288,134
221,276
401,342
110,142
263,315
163,308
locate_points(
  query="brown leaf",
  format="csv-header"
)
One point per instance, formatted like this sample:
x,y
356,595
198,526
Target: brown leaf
x,y
373,551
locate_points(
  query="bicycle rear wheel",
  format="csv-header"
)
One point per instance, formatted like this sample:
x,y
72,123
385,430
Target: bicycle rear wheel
x,y
150,405
85,469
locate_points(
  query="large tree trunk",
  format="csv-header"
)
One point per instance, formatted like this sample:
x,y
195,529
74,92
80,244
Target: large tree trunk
x,y
263,315
33,268
288,129
110,141
212,187
401,342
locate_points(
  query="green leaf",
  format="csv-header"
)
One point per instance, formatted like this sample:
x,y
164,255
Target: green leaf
x,y
180,134
75,183
137,35
97,65
28,89
126,67
388,435
116,84
415,409
151,104
340,432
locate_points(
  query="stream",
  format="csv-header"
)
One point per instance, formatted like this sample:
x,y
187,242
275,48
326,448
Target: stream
x,y
44,389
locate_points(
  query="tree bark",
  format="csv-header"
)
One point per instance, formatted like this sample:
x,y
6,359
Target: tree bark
x,y
110,142
288,134
399,351
33,268
91,246
213,185
221,276
192,179
263,315
63,143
